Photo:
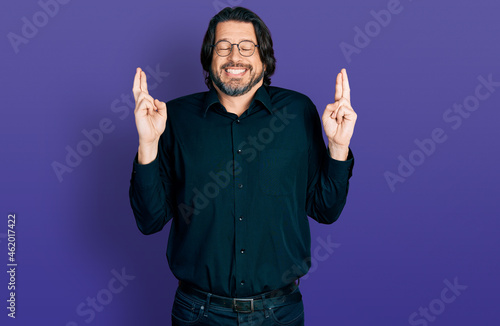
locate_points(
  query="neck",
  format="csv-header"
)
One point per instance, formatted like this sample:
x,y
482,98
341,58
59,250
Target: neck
x,y
237,104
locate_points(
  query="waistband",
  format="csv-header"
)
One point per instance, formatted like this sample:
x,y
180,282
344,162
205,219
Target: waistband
x,y
281,296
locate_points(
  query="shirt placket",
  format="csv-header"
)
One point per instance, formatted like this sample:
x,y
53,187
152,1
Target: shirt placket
x,y
240,173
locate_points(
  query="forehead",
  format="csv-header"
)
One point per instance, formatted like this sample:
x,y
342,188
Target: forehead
x,y
235,31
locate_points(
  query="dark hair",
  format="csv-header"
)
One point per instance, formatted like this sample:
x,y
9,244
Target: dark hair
x,y
263,34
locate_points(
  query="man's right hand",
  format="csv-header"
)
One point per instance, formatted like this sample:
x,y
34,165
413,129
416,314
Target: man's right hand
x,y
150,119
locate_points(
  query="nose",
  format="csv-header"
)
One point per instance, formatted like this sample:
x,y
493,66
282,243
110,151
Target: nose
x,y
235,53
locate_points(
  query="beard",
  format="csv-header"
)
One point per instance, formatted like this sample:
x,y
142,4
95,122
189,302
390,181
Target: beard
x,y
232,88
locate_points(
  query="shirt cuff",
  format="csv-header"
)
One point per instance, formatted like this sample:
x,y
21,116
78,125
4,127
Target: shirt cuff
x,y
146,175
340,170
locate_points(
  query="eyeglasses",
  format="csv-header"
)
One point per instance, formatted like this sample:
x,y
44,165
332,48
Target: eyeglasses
x,y
224,48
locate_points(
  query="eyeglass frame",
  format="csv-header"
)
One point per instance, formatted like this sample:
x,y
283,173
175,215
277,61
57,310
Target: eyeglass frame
x,y
237,45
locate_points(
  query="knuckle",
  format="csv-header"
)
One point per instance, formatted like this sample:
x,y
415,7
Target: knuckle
x,y
144,104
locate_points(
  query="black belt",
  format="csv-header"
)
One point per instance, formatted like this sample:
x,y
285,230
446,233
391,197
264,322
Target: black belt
x,y
249,304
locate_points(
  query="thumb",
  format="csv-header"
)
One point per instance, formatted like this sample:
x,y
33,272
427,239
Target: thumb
x,y
328,111
162,107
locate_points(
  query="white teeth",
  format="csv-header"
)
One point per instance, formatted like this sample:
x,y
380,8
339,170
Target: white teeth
x,y
235,71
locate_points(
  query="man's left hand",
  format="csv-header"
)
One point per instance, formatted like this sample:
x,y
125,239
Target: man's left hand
x,y
339,119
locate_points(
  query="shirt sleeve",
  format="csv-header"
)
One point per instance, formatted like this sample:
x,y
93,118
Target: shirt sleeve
x,y
328,179
151,190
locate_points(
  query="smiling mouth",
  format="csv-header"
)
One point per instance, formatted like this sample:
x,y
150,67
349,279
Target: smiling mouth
x,y
235,71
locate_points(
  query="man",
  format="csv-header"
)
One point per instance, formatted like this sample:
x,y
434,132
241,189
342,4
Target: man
x,y
238,169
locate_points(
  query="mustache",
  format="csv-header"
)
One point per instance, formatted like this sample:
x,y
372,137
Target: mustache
x,y
239,65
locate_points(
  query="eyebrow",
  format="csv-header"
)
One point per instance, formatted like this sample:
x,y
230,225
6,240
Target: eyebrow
x,y
241,40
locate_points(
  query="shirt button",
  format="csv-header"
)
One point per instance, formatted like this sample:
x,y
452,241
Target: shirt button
x,y
242,251
239,151
242,282
238,121
241,218
240,186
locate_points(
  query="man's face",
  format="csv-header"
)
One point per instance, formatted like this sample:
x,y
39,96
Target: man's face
x,y
235,74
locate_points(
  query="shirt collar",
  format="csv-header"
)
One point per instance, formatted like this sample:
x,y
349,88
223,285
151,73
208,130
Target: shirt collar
x,y
262,95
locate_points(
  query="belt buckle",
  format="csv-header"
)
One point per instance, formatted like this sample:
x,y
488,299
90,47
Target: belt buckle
x,y
235,305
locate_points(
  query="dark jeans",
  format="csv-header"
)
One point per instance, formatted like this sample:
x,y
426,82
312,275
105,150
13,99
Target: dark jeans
x,y
190,310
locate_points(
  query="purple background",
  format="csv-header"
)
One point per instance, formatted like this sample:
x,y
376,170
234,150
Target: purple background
x,y
394,248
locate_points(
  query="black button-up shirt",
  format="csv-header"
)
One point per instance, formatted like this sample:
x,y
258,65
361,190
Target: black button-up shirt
x,y
239,189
